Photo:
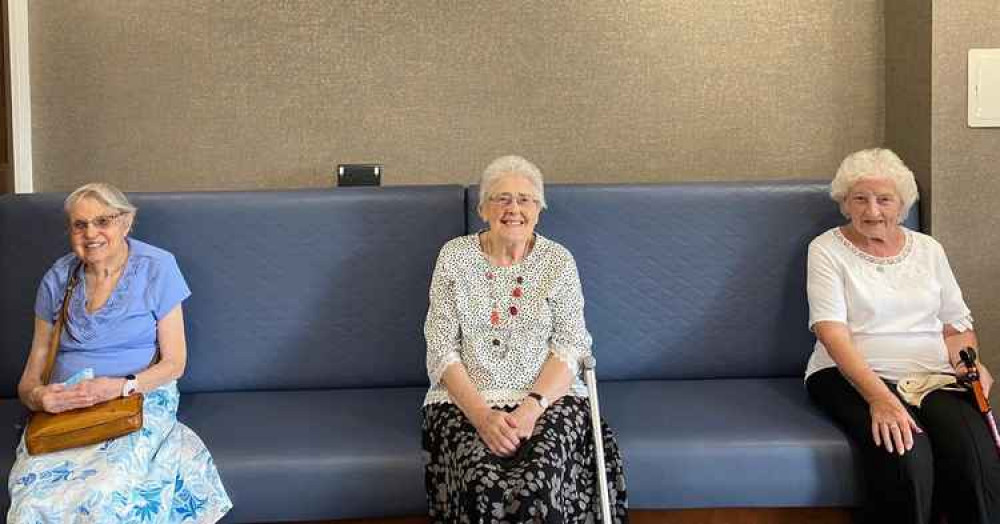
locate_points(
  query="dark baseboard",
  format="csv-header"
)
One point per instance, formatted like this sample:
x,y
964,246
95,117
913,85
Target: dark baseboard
x,y
692,516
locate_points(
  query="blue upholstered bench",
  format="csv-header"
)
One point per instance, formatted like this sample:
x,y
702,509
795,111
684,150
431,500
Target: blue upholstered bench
x,y
306,353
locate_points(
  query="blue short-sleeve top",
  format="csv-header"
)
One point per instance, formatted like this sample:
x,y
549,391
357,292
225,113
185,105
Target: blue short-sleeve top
x,y
119,338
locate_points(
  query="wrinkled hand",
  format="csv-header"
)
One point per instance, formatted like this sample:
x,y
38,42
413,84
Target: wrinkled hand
x,y
498,429
102,388
892,425
56,398
525,416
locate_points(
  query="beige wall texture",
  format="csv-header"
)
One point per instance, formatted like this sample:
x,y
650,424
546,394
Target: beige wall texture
x,y
908,35
197,94
965,166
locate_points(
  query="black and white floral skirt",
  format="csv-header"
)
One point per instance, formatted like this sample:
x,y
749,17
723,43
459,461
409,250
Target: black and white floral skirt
x,y
552,477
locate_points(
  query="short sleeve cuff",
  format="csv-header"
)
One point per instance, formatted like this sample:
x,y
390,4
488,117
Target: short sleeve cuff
x,y
44,313
813,322
47,299
963,324
173,289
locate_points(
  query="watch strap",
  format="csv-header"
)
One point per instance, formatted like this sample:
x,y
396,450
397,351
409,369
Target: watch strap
x,y
131,384
542,401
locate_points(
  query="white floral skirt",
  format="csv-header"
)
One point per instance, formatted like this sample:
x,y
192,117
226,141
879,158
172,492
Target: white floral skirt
x,y
160,474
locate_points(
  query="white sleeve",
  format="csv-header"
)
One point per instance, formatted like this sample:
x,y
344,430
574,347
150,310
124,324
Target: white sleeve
x,y
441,329
953,311
570,339
824,287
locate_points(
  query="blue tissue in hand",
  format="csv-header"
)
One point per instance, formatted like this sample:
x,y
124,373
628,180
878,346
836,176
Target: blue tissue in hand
x,y
80,376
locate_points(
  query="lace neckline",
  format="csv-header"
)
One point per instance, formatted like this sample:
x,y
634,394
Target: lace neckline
x,y
478,246
881,261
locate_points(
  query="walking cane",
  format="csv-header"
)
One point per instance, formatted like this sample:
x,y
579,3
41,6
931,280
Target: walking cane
x,y
968,356
589,363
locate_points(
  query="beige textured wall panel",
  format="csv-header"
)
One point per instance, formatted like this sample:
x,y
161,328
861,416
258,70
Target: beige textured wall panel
x,y
188,94
908,34
966,166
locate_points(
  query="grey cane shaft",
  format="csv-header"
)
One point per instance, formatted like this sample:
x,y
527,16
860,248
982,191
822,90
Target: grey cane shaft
x,y
595,422
993,428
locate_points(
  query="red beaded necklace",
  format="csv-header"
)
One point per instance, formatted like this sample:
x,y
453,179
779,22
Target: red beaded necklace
x,y
516,293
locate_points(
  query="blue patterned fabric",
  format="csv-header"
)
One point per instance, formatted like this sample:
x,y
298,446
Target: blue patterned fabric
x,y
160,474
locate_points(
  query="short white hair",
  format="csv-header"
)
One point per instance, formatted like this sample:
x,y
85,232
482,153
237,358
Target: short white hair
x,y
875,163
510,165
107,194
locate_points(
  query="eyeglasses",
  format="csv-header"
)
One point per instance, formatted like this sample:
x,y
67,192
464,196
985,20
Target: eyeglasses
x,y
507,199
101,222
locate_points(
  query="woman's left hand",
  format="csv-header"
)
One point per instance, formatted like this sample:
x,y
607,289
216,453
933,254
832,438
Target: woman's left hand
x,y
526,415
985,377
102,389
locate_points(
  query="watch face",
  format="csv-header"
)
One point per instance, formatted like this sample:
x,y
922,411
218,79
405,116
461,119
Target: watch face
x,y
130,386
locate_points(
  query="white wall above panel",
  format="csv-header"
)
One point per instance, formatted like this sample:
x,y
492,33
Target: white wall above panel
x,y
984,88
20,94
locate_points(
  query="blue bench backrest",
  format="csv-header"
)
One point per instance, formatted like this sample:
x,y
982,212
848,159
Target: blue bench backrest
x,y
291,289
692,280
321,289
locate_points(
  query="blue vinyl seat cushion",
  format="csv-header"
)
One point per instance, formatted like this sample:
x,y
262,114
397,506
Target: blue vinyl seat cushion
x,y
314,455
728,443
307,455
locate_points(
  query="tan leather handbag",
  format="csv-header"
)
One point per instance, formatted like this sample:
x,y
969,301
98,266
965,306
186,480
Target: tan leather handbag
x,y
49,432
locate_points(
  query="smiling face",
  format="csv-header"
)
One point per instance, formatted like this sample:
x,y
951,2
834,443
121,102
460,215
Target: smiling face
x,y
512,209
874,207
97,232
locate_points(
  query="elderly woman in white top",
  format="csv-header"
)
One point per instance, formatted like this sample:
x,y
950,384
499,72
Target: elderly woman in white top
x,y
506,417
885,306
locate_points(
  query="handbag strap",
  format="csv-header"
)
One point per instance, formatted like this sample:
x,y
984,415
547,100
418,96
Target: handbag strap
x,y
57,329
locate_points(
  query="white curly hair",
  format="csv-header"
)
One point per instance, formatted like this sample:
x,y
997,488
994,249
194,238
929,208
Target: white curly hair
x,y
875,163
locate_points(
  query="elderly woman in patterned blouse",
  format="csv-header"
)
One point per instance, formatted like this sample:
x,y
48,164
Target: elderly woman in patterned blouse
x,y
888,312
125,309
506,416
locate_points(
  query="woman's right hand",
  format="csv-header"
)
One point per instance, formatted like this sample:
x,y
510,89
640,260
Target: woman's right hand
x,y
56,398
498,429
892,424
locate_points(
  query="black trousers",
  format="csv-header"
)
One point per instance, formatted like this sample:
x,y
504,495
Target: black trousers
x,y
953,468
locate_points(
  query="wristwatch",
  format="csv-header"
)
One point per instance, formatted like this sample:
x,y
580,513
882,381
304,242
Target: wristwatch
x,y
131,384
542,401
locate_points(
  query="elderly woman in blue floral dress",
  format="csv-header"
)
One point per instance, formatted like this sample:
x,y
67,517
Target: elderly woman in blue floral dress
x,y
506,425
124,334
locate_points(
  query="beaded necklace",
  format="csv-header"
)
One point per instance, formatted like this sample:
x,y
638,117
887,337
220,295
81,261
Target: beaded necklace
x,y
496,312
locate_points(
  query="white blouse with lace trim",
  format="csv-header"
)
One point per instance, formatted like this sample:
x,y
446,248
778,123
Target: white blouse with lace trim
x,y
504,360
894,307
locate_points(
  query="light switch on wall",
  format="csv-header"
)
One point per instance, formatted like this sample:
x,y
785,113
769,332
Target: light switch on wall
x,y
984,88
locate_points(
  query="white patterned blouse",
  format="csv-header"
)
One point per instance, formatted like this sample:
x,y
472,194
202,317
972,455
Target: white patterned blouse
x,y
503,322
